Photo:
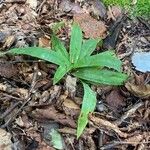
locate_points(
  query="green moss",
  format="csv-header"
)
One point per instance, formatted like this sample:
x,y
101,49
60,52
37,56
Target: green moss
x,y
117,2
141,8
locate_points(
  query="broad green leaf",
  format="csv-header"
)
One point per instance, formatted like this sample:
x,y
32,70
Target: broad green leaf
x,y
104,59
88,105
82,122
75,43
89,99
60,72
41,53
58,46
88,47
56,139
103,76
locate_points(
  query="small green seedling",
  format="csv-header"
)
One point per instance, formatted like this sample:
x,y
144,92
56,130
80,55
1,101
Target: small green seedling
x,y
102,68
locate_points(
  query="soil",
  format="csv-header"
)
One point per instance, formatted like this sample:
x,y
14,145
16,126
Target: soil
x,y
31,107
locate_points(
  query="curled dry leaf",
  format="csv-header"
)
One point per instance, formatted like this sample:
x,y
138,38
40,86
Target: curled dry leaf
x,y
70,84
23,121
90,26
115,100
23,93
52,114
141,91
71,108
135,139
102,123
9,41
44,41
55,92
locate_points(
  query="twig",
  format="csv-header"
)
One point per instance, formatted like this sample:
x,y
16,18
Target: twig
x,y
28,98
12,97
111,145
40,7
9,110
10,120
144,22
129,113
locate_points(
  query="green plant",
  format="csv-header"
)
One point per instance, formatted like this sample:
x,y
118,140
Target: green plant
x,y
103,68
140,8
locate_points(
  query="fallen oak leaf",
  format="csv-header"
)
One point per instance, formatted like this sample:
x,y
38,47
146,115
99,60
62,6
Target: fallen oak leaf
x,y
90,26
141,91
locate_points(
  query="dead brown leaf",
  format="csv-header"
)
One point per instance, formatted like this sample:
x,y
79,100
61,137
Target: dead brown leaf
x,y
5,140
102,123
52,114
87,131
68,6
98,8
136,139
114,12
23,121
115,100
23,93
8,70
141,91
9,41
70,84
44,42
90,26
71,108
32,133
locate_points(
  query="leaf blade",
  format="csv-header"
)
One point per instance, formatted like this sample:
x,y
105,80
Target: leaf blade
x,y
56,139
59,47
104,59
88,47
88,105
60,72
75,43
101,76
41,53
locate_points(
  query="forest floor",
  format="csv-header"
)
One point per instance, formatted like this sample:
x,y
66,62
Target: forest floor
x,y
37,115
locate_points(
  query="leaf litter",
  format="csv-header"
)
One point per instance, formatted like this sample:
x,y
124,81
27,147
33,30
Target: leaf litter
x,y
27,23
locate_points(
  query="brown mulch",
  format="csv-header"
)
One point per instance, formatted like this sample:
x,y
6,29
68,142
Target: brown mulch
x,y
31,106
